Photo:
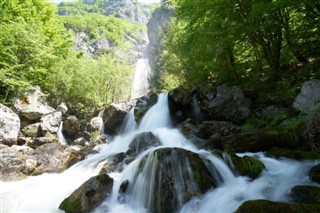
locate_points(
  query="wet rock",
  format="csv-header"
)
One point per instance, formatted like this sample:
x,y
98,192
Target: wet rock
x,y
247,166
306,194
258,140
32,105
115,162
124,186
114,115
314,173
230,104
265,206
207,128
142,142
62,108
176,176
294,154
89,195
180,106
310,130
71,127
9,126
143,105
308,97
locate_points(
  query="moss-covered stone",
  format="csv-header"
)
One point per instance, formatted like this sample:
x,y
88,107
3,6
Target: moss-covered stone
x,y
306,194
247,166
294,154
314,174
88,195
265,206
258,140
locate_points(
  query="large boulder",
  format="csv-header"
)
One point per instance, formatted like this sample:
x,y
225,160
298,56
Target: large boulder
x,y
180,104
174,176
306,194
54,157
258,140
310,130
230,104
9,126
314,173
308,97
114,115
71,127
143,105
142,142
89,195
266,206
32,105
51,121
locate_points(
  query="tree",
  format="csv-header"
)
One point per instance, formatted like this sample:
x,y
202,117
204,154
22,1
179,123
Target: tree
x,y
31,39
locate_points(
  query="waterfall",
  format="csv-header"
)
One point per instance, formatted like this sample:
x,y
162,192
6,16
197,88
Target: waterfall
x,y
129,123
61,137
148,171
101,124
140,83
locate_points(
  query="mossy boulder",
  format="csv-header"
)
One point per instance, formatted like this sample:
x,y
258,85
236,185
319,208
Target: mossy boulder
x,y
247,166
265,206
89,195
175,176
294,154
258,140
306,194
314,173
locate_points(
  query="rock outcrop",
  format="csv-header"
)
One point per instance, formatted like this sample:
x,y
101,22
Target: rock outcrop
x,y
308,97
9,126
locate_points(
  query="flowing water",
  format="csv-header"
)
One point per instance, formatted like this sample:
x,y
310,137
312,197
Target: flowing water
x,y
140,83
45,192
60,135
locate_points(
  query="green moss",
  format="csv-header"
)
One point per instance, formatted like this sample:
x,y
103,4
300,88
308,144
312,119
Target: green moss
x,y
248,166
265,206
71,204
294,154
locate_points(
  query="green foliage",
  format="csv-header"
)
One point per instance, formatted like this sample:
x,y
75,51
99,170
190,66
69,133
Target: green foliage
x,y
90,81
239,41
31,40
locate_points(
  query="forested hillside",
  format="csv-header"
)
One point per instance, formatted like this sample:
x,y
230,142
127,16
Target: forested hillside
x,y
77,52
253,42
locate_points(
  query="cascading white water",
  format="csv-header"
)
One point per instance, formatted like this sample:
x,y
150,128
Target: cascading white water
x,y
60,135
101,124
140,83
129,124
45,192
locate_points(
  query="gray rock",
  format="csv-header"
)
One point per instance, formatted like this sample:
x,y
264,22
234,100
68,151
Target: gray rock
x,y
62,108
71,127
142,142
114,115
51,121
308,97
32,105
230,104
9,125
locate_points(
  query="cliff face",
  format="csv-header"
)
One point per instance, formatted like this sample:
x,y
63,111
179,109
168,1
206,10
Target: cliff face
x,y
156,28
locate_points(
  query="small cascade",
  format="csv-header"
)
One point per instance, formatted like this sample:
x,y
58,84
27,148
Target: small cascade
x,y
140,83
157,116
101,124
61,137
129,123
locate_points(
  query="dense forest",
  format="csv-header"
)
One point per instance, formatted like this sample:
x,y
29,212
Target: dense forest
x,y
250,43
266,44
